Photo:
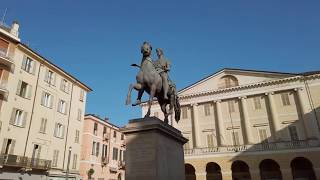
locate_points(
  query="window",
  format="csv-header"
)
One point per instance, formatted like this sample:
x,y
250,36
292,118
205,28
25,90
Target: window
x,y
62,106
231,106
227,82
257,103
115,134
24,90
184,112
210,140
18,117
115,154
104,130
206,109
79,117
122,136
55,158
59,130
43,125
81,98
293,133
75,159
95,128
50,77
93,152
285,99
97,149
104,152
120,155
8,146
64,86
263,136
76,139
235,138
47,100
28,65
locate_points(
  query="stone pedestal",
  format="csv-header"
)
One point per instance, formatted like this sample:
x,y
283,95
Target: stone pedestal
x,y
154,150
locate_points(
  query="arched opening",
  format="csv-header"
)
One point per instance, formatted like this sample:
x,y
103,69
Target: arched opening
x,y
302,169
213,171
240,171
227,82
269,169
190,172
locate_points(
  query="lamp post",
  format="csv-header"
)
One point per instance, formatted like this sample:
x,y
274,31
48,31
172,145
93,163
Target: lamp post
x,y
69,156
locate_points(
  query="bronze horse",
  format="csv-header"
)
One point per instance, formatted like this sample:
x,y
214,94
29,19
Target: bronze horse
x,y
149,80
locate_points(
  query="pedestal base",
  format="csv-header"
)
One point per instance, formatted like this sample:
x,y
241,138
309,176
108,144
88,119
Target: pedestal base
x,y
154,150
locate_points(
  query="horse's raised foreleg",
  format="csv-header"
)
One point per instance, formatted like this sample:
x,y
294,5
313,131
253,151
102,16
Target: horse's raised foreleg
x,y
152,93
137,87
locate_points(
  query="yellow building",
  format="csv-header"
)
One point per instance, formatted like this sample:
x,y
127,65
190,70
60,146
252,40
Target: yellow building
x,y
246,124
41,113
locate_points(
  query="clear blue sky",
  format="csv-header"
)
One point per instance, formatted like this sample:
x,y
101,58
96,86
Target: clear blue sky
x,y
96,41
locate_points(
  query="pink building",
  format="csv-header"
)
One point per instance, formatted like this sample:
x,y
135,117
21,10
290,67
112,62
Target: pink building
x,y
102,151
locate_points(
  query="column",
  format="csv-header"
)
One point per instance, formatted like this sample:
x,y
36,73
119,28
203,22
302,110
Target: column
x,y
306,111
255,173
273,118
219,125
286,173
246,122
196,128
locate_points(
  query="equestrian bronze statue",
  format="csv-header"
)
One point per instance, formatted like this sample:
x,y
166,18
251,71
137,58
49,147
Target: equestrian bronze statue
x,y
153,78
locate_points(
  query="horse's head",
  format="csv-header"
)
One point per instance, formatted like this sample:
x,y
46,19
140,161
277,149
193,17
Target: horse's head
x,y
146,49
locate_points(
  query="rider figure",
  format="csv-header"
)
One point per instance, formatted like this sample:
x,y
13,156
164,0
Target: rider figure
x,y
163,67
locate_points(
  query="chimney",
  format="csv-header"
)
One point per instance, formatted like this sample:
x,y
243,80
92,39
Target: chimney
x,y
15,28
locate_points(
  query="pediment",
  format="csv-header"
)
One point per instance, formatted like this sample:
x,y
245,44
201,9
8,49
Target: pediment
x,y
236,77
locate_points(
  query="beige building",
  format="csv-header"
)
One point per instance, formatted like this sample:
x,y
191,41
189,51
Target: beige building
x,y
246,124
103,148
41,113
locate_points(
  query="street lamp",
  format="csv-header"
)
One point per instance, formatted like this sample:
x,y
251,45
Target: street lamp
x,y
69,156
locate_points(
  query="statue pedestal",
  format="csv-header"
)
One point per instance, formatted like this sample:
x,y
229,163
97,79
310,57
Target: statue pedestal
x,y
154,150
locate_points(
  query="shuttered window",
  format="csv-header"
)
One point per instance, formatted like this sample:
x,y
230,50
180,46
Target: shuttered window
x,y
97,149
79,117
76,140
24,90
64,86
55,158
28,65
207,109
75,159
43,125
285,99
50,77
257,103
62,106
18,117
293,133
59,130
8,146
210,140
3,47
47,100
115,154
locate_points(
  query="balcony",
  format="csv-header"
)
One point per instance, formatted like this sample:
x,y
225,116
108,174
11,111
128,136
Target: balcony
x,y
104,160
274,146
5,59
24,162
106,137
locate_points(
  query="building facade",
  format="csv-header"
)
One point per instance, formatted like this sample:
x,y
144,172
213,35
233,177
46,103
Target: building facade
x,y
245,124
41,113
103,148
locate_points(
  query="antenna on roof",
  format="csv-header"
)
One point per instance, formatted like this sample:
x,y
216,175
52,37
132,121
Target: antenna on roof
x,y
4,15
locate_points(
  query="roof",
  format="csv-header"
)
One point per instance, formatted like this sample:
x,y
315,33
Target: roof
x,y
235,69
55,66
96,116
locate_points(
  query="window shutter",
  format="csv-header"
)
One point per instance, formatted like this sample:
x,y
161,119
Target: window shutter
x,y
24,62
55,130
46,79
24,121
39,151
54,79
51,102
61,84
34,67
19,87
45,125
13,143
29,91
4,145
66,108
13,116
42,98
62,131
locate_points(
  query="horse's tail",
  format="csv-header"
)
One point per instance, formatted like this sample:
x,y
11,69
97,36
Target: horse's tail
x,y
177,108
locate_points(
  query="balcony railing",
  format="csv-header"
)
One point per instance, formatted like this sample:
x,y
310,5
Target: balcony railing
x,y
106,137
254,147
24,162
5,59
